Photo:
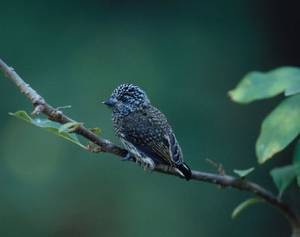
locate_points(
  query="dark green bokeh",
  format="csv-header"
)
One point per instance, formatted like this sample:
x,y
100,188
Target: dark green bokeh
x,y
186,56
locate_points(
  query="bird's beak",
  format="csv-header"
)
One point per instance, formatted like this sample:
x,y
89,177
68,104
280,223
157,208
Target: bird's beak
x,y
110,102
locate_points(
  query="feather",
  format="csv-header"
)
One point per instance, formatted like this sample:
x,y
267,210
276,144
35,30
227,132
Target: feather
x,y
150,133
144,130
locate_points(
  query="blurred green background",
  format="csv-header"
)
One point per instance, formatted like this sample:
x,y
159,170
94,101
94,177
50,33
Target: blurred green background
x,y
186,55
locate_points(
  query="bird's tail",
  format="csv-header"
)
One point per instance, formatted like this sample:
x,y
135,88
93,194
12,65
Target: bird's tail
x,y
184,171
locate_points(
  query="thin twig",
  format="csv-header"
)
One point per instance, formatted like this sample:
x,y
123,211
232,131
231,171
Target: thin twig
x,y
41,106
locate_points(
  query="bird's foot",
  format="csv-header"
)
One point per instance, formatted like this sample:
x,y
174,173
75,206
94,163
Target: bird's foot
x,y
147,164
128,157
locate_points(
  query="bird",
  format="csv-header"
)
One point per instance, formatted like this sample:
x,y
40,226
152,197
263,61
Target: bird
x,y
144,130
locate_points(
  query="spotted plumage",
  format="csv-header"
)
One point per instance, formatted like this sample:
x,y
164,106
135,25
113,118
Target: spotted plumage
x,y
144,130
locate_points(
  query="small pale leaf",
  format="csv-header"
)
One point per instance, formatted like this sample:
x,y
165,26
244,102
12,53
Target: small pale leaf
x,y
279,128
261,85
68,127
49,126
244,173
21,114
283,177
242,206
96,130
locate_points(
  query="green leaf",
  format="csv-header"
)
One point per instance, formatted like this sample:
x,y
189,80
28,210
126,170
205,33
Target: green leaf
x,y
49,126
97,131
296,161
279,128
242,206
260,85
244,173
22,115
69,127
292,90
284,176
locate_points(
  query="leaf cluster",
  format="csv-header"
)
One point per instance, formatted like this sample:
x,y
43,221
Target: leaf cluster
x,y
281,127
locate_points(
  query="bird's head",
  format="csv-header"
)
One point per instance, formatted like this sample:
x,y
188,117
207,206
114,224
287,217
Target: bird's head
x,y
127,98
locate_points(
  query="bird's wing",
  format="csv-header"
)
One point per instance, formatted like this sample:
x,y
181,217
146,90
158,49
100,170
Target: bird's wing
x,y
174,148
152,135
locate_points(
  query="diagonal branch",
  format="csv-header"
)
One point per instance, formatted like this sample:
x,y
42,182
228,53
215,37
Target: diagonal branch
x,y
41,106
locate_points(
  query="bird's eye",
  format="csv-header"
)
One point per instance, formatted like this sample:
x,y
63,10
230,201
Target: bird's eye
x,y
124,98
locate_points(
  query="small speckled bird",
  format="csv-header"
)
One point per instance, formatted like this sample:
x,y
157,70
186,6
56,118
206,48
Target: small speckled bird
x,y
144,130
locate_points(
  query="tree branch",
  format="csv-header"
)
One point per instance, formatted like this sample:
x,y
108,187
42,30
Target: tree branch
x,y
41,106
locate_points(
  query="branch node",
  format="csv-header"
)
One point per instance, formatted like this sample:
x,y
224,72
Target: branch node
x,y
38,109
92,147
218,166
